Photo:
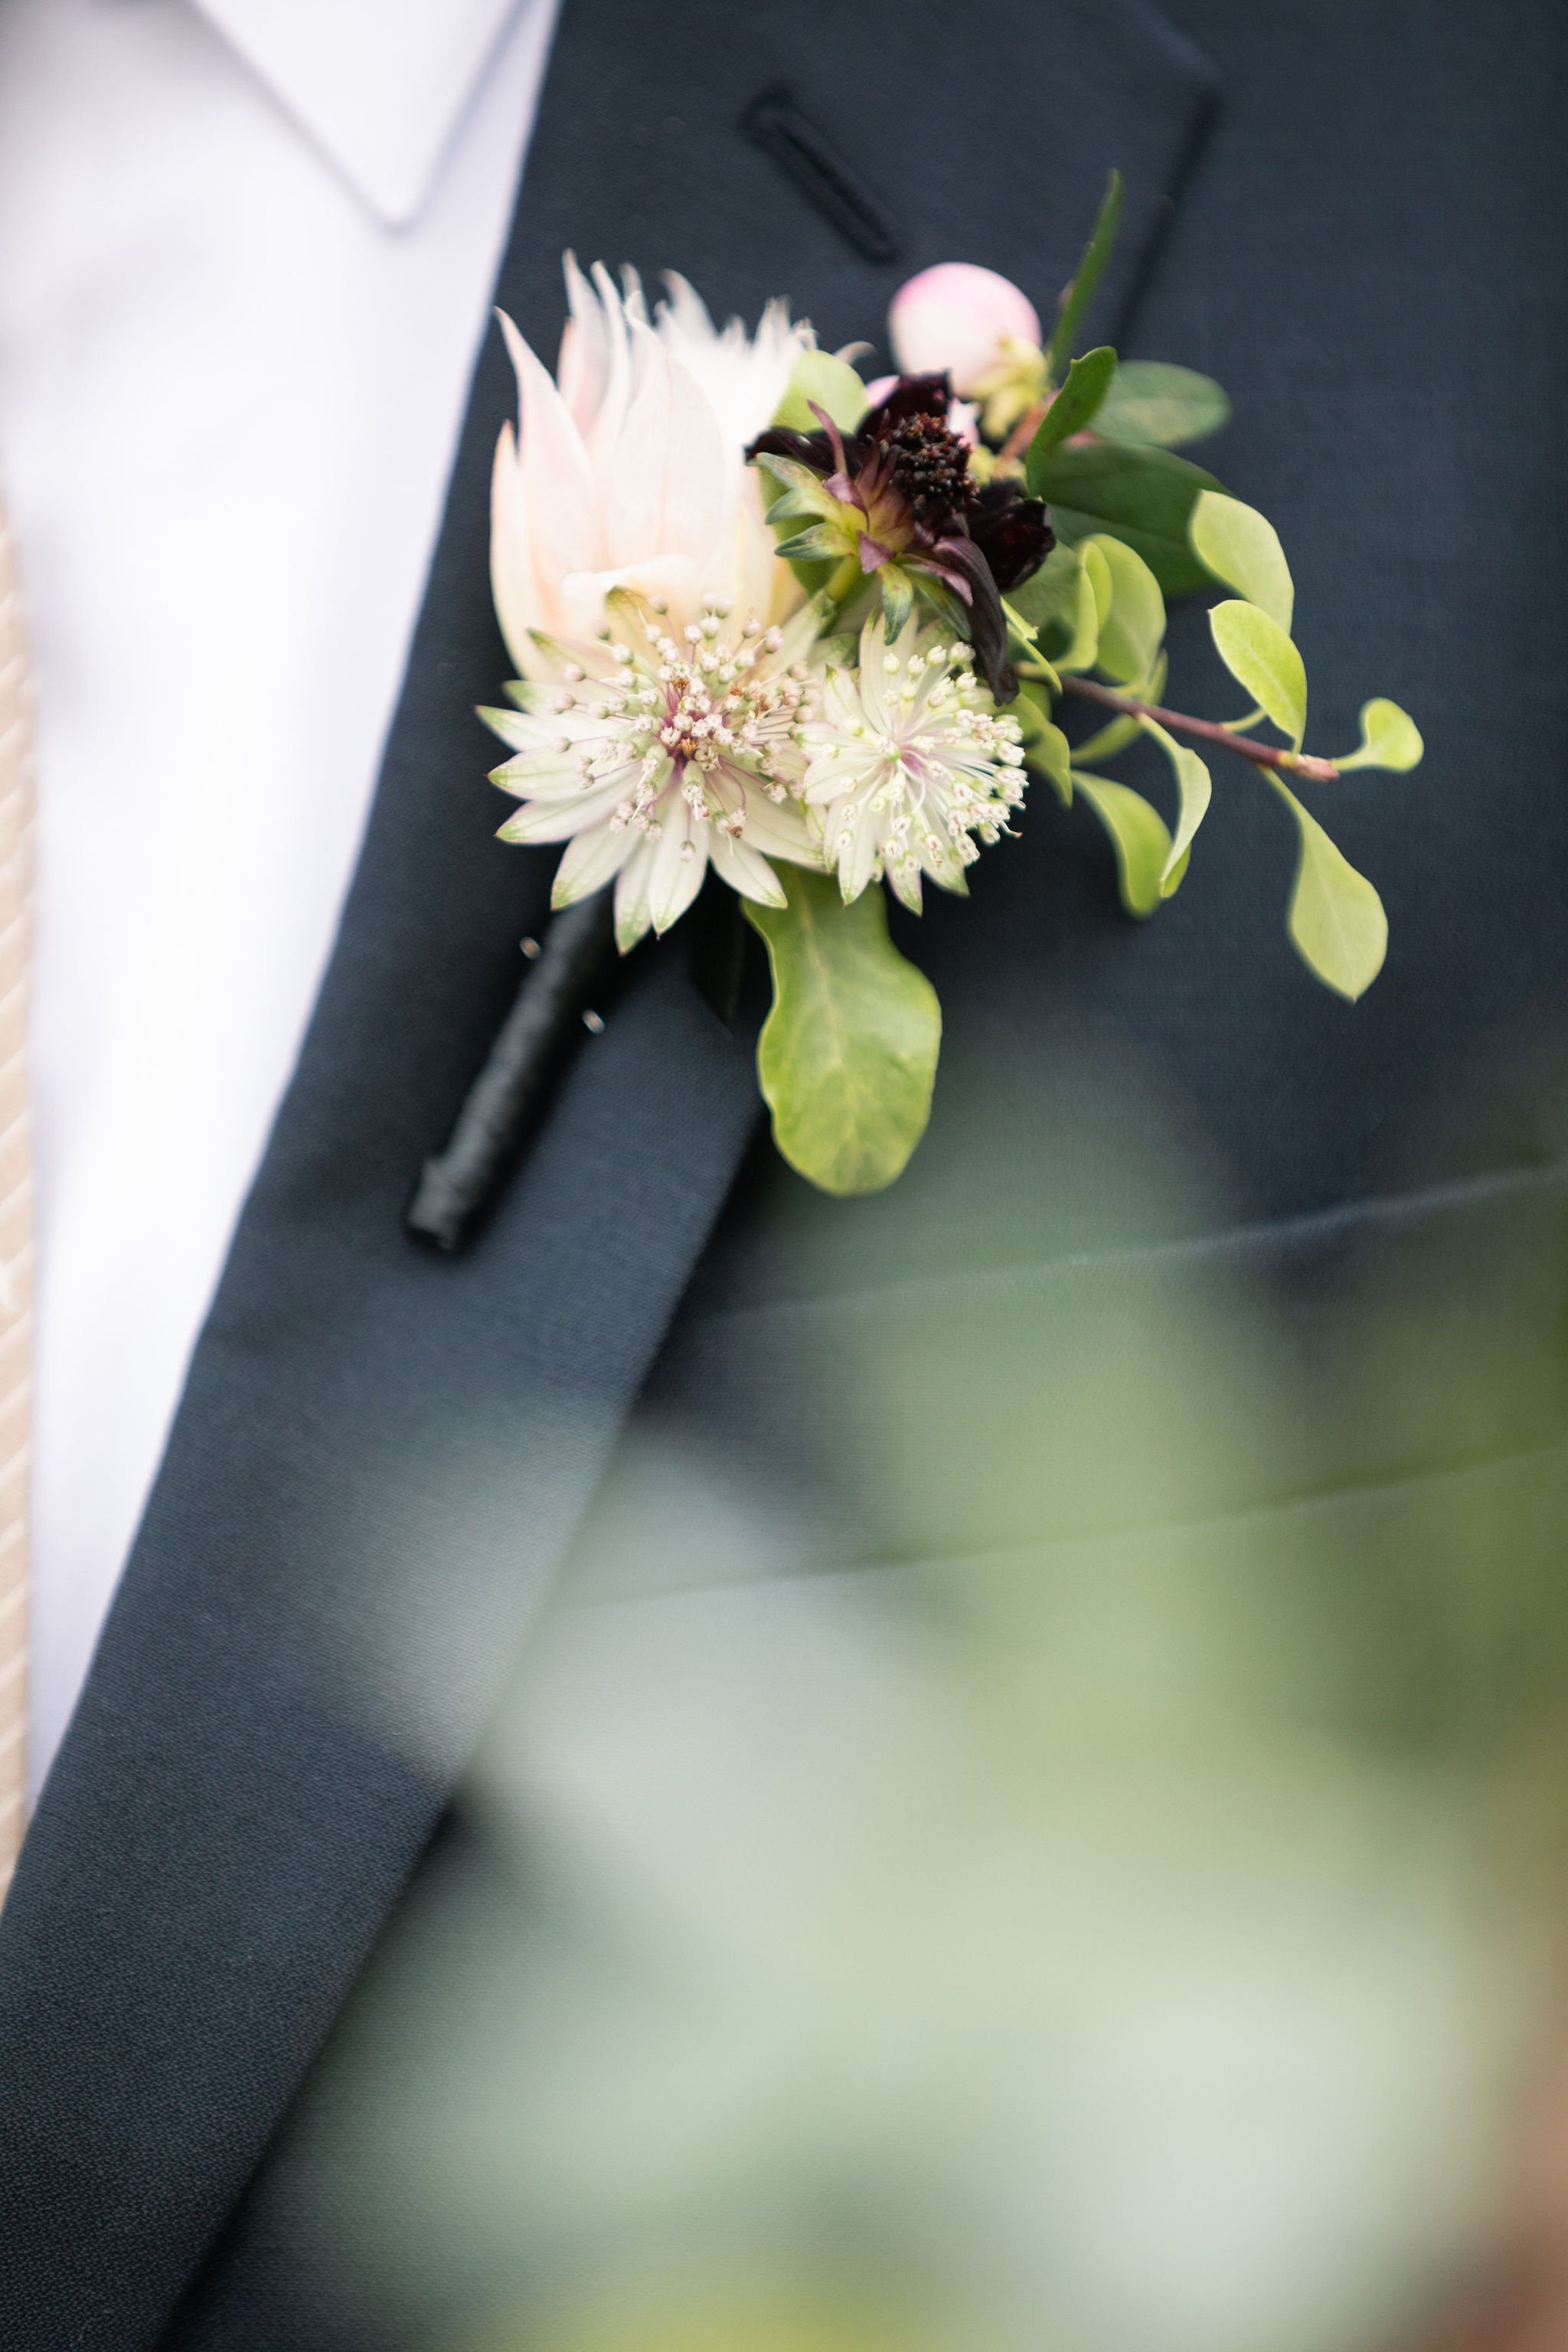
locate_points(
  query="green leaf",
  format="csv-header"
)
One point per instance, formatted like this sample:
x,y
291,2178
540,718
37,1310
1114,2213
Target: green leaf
x,y
1195,788
1138,836
1105,741
1143,497
1150,401
1051,594
1389,739
1045,748
1081,292
1094,599
831,383
1132,630
1088,380
846,1059
1261,657
1242,548
1336,918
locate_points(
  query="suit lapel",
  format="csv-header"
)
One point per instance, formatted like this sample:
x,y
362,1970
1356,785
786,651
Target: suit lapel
x,y
380,1456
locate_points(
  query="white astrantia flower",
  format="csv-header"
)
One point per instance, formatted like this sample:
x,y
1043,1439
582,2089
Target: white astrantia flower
x,y
660,749
660,642
907,762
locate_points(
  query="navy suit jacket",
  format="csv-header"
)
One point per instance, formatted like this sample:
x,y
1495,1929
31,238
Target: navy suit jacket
x,y
1348,212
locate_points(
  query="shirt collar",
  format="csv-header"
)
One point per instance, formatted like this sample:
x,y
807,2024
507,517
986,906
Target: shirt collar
x,y
378,84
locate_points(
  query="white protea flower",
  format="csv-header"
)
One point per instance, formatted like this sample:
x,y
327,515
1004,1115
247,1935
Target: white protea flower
x,y
909,761
638,591
662,748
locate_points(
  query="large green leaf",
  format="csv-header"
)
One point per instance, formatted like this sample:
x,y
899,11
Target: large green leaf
x,y
1050,596
1131,632
1138,835
1242,548
1336,918
1261,657
846,1058
1151,401
1061,600
1078,401
1144,497
1389,739
832,383
1081,291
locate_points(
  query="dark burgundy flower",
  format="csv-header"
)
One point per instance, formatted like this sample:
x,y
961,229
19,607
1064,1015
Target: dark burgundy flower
x,y
896,494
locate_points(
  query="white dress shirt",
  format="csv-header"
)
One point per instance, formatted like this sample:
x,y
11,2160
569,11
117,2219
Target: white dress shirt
x,y
246,252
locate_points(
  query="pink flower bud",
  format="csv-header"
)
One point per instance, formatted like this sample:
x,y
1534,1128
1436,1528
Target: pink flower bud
x,y
962,417
957,316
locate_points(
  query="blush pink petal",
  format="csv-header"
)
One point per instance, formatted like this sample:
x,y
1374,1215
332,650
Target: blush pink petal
x,y
957,316
558,480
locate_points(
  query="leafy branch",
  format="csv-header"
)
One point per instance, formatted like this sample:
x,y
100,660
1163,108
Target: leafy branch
x,y
1207,731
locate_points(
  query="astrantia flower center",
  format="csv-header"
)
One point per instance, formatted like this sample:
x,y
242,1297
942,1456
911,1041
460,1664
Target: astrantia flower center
x,y
714,702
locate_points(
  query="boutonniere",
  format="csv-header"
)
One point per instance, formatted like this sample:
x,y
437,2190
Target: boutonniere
x,y
790,635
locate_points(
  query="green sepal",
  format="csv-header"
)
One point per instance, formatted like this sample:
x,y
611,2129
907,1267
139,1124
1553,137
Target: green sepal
x,y
1086,278
898,597
820,544
1088,381
796,507
796,480
846,1059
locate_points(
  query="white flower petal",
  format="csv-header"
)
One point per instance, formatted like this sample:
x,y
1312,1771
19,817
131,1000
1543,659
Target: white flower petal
x,y
779,829
680,861
850,840
744,869
559,820
632,914
592,860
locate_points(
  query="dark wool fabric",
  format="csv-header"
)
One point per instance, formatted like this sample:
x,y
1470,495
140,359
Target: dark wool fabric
x,y
1347,213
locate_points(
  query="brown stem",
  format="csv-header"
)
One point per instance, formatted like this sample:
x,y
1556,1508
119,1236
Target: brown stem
x,y
1262,755
1023,433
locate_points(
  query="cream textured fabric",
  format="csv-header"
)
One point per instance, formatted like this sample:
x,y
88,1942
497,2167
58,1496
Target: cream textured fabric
x,y
15,1201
